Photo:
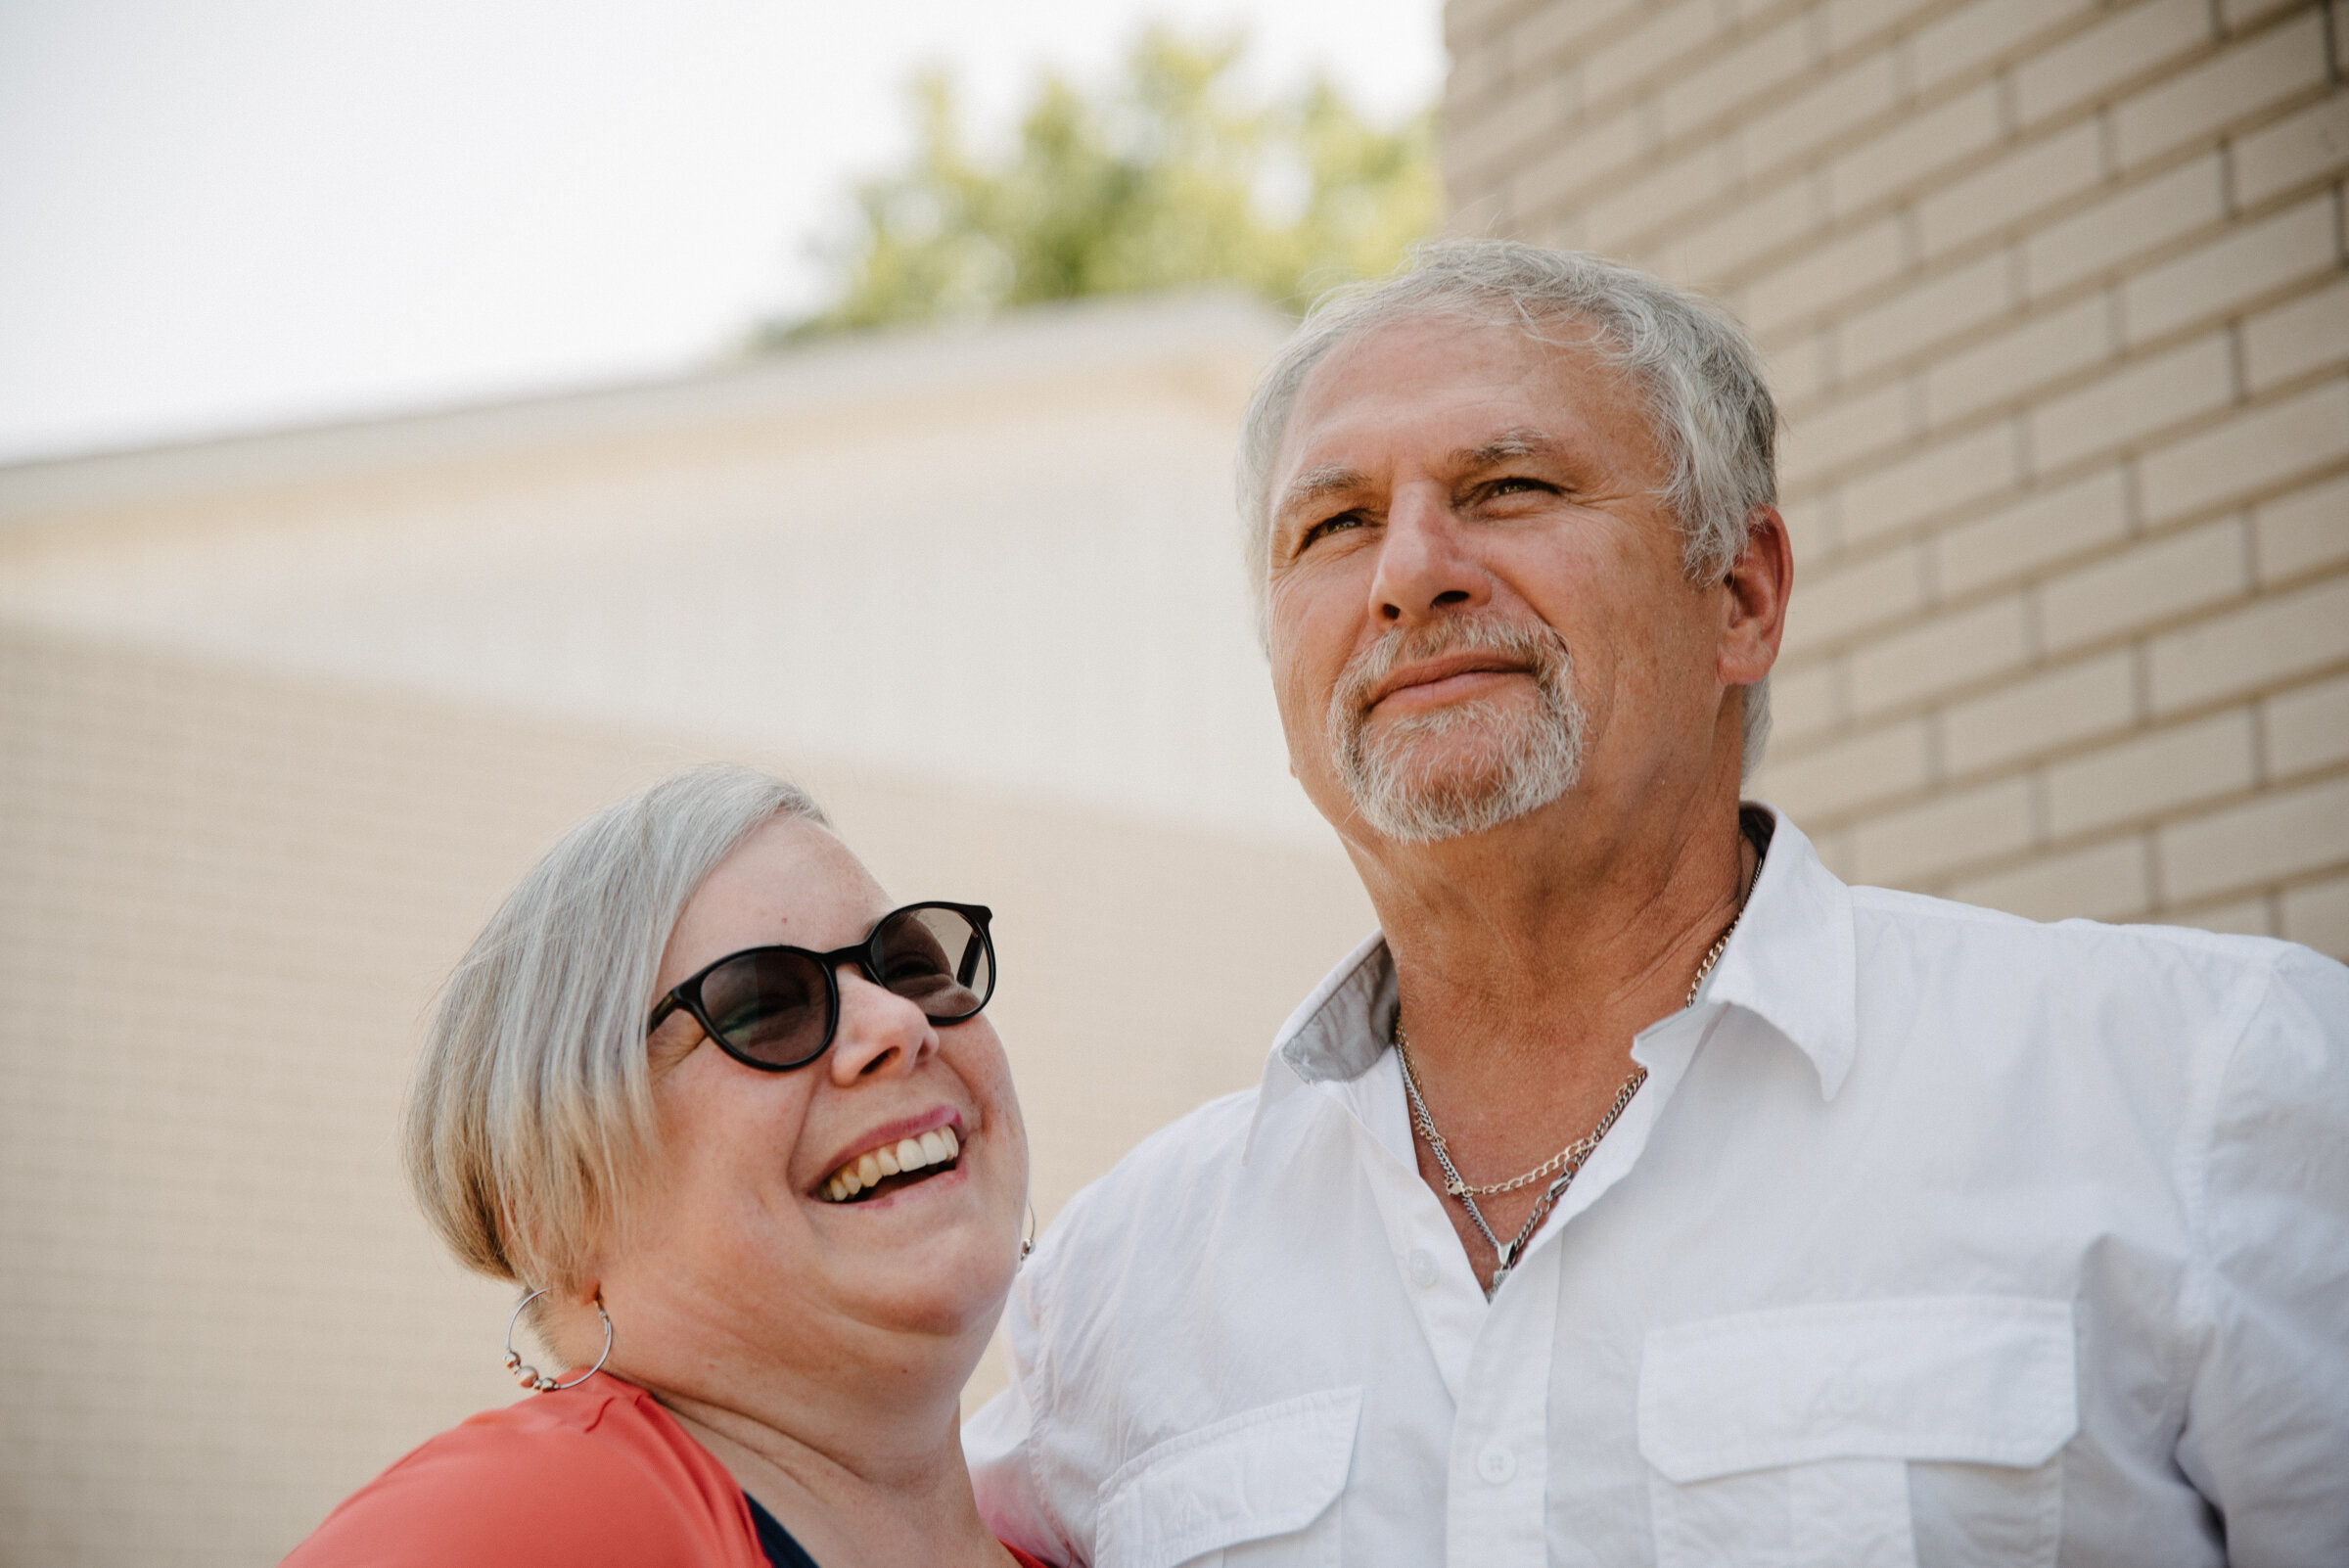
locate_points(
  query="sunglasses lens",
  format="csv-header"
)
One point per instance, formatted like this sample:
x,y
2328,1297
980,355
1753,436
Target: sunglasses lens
x,y
768,1006
938,958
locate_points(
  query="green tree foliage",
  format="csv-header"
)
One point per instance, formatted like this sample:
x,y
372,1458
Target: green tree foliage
x,y
1168,178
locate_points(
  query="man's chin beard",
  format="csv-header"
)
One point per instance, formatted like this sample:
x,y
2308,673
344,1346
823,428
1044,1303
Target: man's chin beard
x,y
1526,761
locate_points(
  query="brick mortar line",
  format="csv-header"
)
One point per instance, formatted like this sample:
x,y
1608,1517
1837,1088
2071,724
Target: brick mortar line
x,y
1896,33
1496,21
2029,394
1941,702
1572,204
2157,912
1839,311
2038,855
2033,396
2190,915
2325,871
2260,496
2044,846
257,687
2077,749
1940,350
2239,892
2102,553
1594,111
1976,250
1569,54
2056,475
1726,122
1589,115
2056,478
2140,727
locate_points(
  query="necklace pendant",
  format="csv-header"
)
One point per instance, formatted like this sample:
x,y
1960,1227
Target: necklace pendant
x,y
1499,1275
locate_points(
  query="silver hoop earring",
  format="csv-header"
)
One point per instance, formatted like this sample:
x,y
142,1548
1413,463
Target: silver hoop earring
x,y
538,1382
1027,1241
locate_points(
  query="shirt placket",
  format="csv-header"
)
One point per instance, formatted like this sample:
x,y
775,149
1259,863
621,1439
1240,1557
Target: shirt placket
x,y
1495,1359
1497,1485
1498,1357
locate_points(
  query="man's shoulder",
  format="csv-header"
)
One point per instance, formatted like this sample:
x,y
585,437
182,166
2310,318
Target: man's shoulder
x,y
1204,1144
1891,913
2145,981
1185,1178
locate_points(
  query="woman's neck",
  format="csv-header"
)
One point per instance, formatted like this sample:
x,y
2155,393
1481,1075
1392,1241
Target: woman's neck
x,y
865,1489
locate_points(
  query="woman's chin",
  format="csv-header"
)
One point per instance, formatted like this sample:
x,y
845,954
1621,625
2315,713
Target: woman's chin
x,y
924,1263
956,1293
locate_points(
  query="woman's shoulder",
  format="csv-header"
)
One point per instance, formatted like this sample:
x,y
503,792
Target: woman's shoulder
x,y
590,1475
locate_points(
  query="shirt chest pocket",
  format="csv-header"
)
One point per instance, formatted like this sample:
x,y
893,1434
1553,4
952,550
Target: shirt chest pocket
x,y
1254,1490
1856,1433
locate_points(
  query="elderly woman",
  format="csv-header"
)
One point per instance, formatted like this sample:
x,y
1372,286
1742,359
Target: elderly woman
x,y
733,1121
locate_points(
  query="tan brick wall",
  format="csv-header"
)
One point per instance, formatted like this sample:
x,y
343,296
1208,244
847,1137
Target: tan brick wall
x,y
225,902
2054,295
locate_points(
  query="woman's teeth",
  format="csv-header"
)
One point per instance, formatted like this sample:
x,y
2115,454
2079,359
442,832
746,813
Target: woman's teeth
x,y
933,1147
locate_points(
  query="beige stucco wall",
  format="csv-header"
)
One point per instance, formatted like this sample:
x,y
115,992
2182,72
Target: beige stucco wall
x,y
1003,557
281,719
2053,294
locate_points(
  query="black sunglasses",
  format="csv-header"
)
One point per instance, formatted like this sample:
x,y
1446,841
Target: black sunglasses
x,y
777,1008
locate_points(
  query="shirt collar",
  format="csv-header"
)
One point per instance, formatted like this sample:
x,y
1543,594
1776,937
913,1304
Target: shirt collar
x,y
1790,962
1337,1032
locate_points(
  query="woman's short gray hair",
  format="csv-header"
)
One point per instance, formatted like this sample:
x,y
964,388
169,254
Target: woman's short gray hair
x,y
1699,372
531,1113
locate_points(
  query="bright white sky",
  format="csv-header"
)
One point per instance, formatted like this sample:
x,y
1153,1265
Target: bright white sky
x,y
222,213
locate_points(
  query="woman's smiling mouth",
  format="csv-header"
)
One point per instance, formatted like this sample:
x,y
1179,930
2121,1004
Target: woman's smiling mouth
x,y
894,1165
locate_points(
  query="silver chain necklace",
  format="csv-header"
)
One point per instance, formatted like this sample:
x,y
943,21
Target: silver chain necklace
x,y
1567,1162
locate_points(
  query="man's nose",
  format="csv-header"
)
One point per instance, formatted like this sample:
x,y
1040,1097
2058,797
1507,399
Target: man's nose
x,y
880,1032
1426,563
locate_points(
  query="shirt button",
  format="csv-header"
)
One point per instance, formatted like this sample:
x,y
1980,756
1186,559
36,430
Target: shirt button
x,y
1847,1392
1422,1267
1497,1464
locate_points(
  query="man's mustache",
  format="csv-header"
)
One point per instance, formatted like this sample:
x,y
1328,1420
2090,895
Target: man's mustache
x,y
1537,647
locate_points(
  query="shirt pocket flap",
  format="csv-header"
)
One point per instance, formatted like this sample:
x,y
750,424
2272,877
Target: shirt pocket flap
x,y
1964,1379
1264,1472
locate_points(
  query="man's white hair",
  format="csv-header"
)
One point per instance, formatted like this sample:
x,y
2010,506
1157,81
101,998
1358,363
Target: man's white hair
x,y
1699,371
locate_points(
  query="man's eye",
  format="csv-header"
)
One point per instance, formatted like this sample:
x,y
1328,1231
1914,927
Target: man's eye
x,y
1342,523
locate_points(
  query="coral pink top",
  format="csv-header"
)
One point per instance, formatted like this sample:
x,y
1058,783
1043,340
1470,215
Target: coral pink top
x,y
597,1474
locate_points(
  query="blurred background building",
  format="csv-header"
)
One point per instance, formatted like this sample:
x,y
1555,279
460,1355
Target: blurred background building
x,y
2053,292
286,715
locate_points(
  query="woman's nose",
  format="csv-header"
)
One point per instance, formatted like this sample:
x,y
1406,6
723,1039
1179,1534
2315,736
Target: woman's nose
x,y
880,1031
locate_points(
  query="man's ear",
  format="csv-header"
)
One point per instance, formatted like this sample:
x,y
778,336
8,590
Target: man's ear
x,y
1759,584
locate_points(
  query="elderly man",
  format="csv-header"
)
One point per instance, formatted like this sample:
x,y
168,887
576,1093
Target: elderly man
x,y
1642,1193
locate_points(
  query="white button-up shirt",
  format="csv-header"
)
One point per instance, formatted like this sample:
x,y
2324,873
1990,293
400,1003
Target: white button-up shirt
x,y
1935,1236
